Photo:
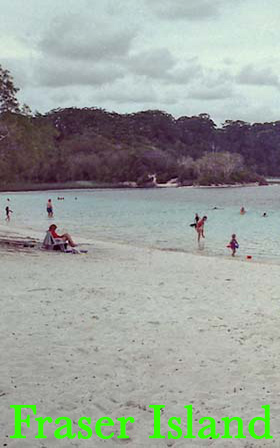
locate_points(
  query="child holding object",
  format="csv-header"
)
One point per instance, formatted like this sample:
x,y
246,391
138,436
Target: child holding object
x,y
233,244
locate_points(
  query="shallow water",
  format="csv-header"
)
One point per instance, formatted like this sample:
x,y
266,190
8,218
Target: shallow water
x,y
159,217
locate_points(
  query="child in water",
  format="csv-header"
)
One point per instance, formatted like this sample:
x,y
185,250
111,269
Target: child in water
x,y
8,213
233,244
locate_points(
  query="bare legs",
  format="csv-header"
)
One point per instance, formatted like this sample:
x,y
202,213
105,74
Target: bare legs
x,y
199,234
68,239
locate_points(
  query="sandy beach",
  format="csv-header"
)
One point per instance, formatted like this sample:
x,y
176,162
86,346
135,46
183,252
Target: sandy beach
x,y
113,331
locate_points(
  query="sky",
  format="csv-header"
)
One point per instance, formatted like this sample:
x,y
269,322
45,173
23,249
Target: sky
x,y
184,57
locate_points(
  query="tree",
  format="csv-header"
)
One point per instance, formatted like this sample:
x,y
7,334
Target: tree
x,y
219,166
25,110
8,100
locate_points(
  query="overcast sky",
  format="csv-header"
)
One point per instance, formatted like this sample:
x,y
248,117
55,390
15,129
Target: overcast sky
x,y
182,56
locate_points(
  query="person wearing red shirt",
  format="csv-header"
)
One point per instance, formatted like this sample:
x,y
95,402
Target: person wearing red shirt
x,y
65,237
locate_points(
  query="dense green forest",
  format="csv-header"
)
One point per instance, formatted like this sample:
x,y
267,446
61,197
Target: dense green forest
x,y
66,145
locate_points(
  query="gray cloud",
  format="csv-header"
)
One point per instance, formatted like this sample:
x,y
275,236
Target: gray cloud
x,y
185,9
138,54
76,37
185,72
128,91
213,85
160,64
251,75
211,93
63,96
228,61
155,63
68,73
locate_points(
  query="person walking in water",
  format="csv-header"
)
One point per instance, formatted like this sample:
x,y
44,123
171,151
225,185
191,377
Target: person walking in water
x,y
233,244
200,228
8,213
242,211
50,208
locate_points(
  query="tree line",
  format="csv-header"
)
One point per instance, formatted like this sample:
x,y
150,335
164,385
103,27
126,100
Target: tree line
x,y
71,144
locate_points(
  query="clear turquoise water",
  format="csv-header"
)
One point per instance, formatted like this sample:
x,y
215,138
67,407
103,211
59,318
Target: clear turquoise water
x,y
159,217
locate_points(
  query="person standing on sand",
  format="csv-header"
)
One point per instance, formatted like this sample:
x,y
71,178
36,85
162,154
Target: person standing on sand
x,y
8,212
200,228
50,208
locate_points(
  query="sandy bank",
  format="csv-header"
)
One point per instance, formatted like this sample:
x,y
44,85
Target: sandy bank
x,y
118,329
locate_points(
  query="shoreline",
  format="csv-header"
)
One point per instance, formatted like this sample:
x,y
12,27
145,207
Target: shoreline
x,y
80,186
32,239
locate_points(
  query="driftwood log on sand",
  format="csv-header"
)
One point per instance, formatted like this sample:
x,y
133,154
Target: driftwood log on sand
x,y
18,243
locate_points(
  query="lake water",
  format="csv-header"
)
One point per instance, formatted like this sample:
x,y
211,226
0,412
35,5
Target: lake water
x,y
159,217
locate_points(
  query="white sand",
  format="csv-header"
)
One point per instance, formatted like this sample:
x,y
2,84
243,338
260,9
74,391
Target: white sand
x,y
110,332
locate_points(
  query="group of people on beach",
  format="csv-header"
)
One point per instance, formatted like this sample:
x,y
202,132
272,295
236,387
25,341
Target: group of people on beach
x,y
199,227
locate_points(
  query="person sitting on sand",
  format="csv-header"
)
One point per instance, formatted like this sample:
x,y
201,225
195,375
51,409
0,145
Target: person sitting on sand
x,y
233,244
65,237
242,211
200,228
